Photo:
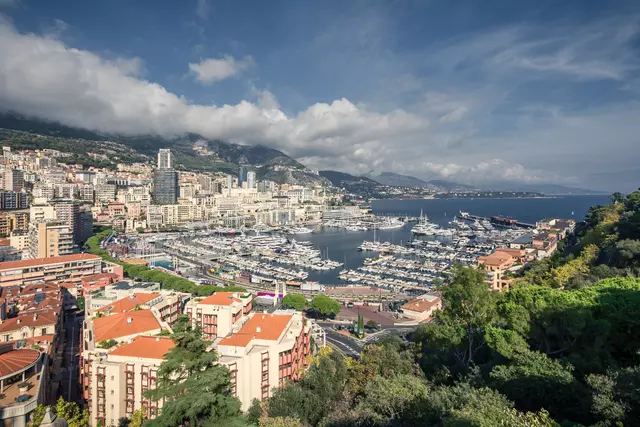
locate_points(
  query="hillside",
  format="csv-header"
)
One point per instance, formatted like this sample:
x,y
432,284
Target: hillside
x,y
191,151
357,185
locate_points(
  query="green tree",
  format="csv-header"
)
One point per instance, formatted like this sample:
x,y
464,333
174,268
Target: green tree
x,y
295,301
80,303
70,411
372,324
195,387
325,306
454,341
139,417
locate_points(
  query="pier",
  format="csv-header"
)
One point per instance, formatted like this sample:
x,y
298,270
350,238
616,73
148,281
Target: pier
x,y
497,220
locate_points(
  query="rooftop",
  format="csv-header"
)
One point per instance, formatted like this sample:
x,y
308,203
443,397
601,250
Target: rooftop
x,y
145,347
124,324
128,303
220,298
41,318
15,361
261,327
421,305
9,265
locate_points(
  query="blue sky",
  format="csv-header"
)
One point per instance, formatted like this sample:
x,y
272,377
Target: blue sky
x,y
478,92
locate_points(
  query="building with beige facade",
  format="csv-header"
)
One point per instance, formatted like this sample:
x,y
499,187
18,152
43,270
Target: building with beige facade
x,y
49,238
220,313
67,268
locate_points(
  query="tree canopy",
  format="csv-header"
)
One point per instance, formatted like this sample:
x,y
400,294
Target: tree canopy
x,y
325,306
295,301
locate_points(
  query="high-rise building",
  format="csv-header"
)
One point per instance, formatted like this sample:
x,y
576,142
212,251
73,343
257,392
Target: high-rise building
x,y
242,176
13,179
50,238
251,179
13,200
165,159
165,187
229,182
6,155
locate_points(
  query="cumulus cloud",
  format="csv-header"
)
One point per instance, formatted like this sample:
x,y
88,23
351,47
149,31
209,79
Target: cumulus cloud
x,y
213,70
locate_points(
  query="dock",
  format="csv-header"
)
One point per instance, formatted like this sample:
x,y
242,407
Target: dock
x,y
499,221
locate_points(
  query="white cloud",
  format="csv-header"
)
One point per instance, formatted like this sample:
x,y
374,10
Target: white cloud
x,y
213,70
202,9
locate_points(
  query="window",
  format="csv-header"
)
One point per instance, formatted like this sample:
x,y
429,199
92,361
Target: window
x,y
112,392
112,406
112,377
44,331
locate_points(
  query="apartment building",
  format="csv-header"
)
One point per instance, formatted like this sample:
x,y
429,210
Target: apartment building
x,y
267,351
13,200
67,268
166,305
50,238
115,381
220,312
497,264
13,221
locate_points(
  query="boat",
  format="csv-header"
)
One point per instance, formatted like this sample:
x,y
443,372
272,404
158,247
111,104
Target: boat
x,y
300,230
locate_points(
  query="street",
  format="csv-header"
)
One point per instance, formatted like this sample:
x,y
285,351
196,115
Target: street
x,y
352,347
69,370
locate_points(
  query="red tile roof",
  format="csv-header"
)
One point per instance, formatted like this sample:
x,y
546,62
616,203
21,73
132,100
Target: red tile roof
x,y
9,265
271,327
31,320
421,305
220,298
146,347
117,326
128,303
17,360
96,277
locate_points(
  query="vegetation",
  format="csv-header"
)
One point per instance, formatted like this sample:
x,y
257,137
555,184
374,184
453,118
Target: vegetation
x,y
70,411
192,385
295,301
560,348
107,344
324,306
167,280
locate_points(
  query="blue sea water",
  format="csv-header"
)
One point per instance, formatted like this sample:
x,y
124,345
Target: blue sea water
x,y
341,245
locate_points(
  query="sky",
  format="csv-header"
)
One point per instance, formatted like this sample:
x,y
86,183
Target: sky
x,y
479,92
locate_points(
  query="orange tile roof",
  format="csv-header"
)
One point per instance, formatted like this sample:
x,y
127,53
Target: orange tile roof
x,y
5,242
116,326
9,265
271,327
128,303
421,305
146,347
99,276
29,320
495,259
16,360
220,298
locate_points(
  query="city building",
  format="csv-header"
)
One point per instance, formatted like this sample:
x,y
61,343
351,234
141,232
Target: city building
x,y
497,264
10,221
251,179
13,200
49,238
13,180
218,313
242,176
165,187
165,159
114,382
265,353
423,307
67,268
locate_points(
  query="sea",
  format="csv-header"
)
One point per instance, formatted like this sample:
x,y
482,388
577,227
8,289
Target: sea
x,y
341,245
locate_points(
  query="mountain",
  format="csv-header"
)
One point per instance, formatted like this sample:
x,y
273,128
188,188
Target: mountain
x,y
191,151
450,185
396,180
358,185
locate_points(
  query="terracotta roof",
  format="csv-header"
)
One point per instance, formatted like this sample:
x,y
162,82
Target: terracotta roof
x,y
271,327
45,287
420,305
100,276
17,360
128,303
146,347
8,265
495,259
116,326
30,320
5,242
220,298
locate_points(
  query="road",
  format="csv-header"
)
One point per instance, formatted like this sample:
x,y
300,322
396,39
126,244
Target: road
x,y
69,375
351,346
